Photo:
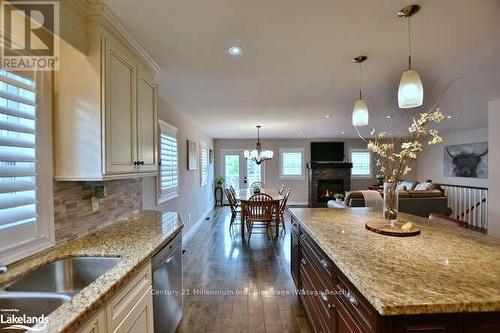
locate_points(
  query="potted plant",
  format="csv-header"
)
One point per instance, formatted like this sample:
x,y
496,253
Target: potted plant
x,y
339,197
219,181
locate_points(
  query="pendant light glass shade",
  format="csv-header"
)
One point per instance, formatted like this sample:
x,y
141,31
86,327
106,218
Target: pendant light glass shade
x,y
411,90
360,113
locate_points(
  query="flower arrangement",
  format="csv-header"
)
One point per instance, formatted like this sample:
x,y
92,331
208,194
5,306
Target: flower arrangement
x,y
394,155
338,196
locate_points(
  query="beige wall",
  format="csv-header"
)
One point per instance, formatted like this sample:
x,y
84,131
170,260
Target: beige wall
x,y
430,164
271,172
494,169
194,201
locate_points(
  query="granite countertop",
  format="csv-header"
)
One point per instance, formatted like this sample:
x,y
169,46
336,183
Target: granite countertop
x,y
135,240
445,269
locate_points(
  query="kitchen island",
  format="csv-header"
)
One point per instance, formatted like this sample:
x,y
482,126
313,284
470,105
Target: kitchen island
x,y
447,279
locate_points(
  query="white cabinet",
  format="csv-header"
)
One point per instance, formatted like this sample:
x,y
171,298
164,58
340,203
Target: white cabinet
x,y
120,110
147,120
105,117
97,324
129,311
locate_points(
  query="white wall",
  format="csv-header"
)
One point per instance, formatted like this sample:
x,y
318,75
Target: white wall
x,y
494,168
299,194
194,201
430,163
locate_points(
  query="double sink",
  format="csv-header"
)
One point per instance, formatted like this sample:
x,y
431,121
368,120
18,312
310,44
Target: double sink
x,y
44,289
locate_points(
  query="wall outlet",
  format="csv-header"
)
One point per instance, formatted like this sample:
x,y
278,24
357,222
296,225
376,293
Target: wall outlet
x,y
95,204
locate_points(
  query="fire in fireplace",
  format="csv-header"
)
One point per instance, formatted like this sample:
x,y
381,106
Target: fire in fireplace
x,y
327,188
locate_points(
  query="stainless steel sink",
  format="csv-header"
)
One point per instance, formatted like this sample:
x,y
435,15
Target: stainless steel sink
x,y
30,304
67,276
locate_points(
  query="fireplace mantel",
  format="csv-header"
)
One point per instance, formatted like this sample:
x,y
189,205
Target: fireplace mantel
x,y
329,165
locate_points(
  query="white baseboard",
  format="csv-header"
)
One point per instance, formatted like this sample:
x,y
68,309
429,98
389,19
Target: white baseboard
x,y
194,229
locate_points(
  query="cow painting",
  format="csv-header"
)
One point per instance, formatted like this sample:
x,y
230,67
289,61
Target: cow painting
x,y
466,160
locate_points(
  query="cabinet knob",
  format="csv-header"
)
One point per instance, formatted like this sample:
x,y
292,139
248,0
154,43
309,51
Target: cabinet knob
x,y
303,261
142,162
136,163
352,299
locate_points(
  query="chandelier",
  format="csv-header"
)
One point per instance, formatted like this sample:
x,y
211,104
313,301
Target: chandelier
x,y
258,155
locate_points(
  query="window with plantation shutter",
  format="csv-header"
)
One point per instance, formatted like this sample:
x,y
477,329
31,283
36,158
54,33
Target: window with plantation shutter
x,y
292,163
168,173
203,163
361,163
24,215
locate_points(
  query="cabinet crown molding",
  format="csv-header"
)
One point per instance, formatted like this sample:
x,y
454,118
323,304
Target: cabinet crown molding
x,y
98,12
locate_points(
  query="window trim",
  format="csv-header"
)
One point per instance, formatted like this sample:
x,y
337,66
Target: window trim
x,y
302,175
203,146
161,199
45,231
362,150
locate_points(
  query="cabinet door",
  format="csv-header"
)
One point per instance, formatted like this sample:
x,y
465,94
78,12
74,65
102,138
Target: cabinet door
x,y
295,257
96,325
147,122
120,109
140,318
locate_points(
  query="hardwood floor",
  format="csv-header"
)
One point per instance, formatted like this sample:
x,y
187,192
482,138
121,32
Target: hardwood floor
x,y
235,286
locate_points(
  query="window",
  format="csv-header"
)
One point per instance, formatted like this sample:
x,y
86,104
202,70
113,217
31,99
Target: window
x,y
361,163
168,173
292,163
26,216
203,163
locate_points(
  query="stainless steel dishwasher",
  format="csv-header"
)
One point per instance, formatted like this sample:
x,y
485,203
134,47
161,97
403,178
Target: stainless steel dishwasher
x,y
167,286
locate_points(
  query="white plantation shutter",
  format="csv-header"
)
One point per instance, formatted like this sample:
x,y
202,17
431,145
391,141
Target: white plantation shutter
x,y
168,177
361,163
292,163
203,163
18,150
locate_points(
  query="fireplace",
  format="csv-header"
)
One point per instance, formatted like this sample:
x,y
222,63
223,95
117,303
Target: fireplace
x,y
327,188
327,178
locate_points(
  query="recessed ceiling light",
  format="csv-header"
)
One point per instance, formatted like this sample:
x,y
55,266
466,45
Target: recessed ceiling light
x,y
388,117
449,117
328,116
235,50
342,132
302,133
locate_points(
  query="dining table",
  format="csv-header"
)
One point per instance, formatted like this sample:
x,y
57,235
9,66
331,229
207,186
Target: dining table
x,y
243,195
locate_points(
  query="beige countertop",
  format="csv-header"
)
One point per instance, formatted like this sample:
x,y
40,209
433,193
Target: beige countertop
x,y
445,269
135,240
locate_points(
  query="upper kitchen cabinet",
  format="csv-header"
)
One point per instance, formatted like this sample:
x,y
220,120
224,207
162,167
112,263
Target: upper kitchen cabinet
x,y
105,118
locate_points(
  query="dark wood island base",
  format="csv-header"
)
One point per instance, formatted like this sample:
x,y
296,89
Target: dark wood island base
x,y
333,304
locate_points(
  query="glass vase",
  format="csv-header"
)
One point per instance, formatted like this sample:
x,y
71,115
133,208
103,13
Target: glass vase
x,y
391,203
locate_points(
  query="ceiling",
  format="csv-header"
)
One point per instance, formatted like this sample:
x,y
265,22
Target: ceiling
x,y
297,62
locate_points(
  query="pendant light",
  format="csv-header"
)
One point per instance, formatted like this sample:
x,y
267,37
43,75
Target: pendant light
x,y
258,155
360,113
411,90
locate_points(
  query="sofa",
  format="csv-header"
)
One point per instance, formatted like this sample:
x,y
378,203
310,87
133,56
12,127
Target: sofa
x,y
412,199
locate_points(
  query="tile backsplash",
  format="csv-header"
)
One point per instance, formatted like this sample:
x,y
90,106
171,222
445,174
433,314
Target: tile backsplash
x,y
73,216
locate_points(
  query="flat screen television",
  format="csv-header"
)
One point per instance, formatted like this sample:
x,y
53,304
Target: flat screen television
x,y
327,151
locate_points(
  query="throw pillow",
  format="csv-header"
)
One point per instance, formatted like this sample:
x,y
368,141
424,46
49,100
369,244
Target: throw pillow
x,y
424,186
401,187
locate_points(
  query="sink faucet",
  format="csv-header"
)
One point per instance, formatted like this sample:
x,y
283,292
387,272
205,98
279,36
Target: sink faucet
x,y
3,268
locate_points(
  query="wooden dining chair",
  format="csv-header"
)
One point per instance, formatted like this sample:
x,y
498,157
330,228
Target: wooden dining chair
x,y
280,217
281,189
259,209
233,192
235,209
